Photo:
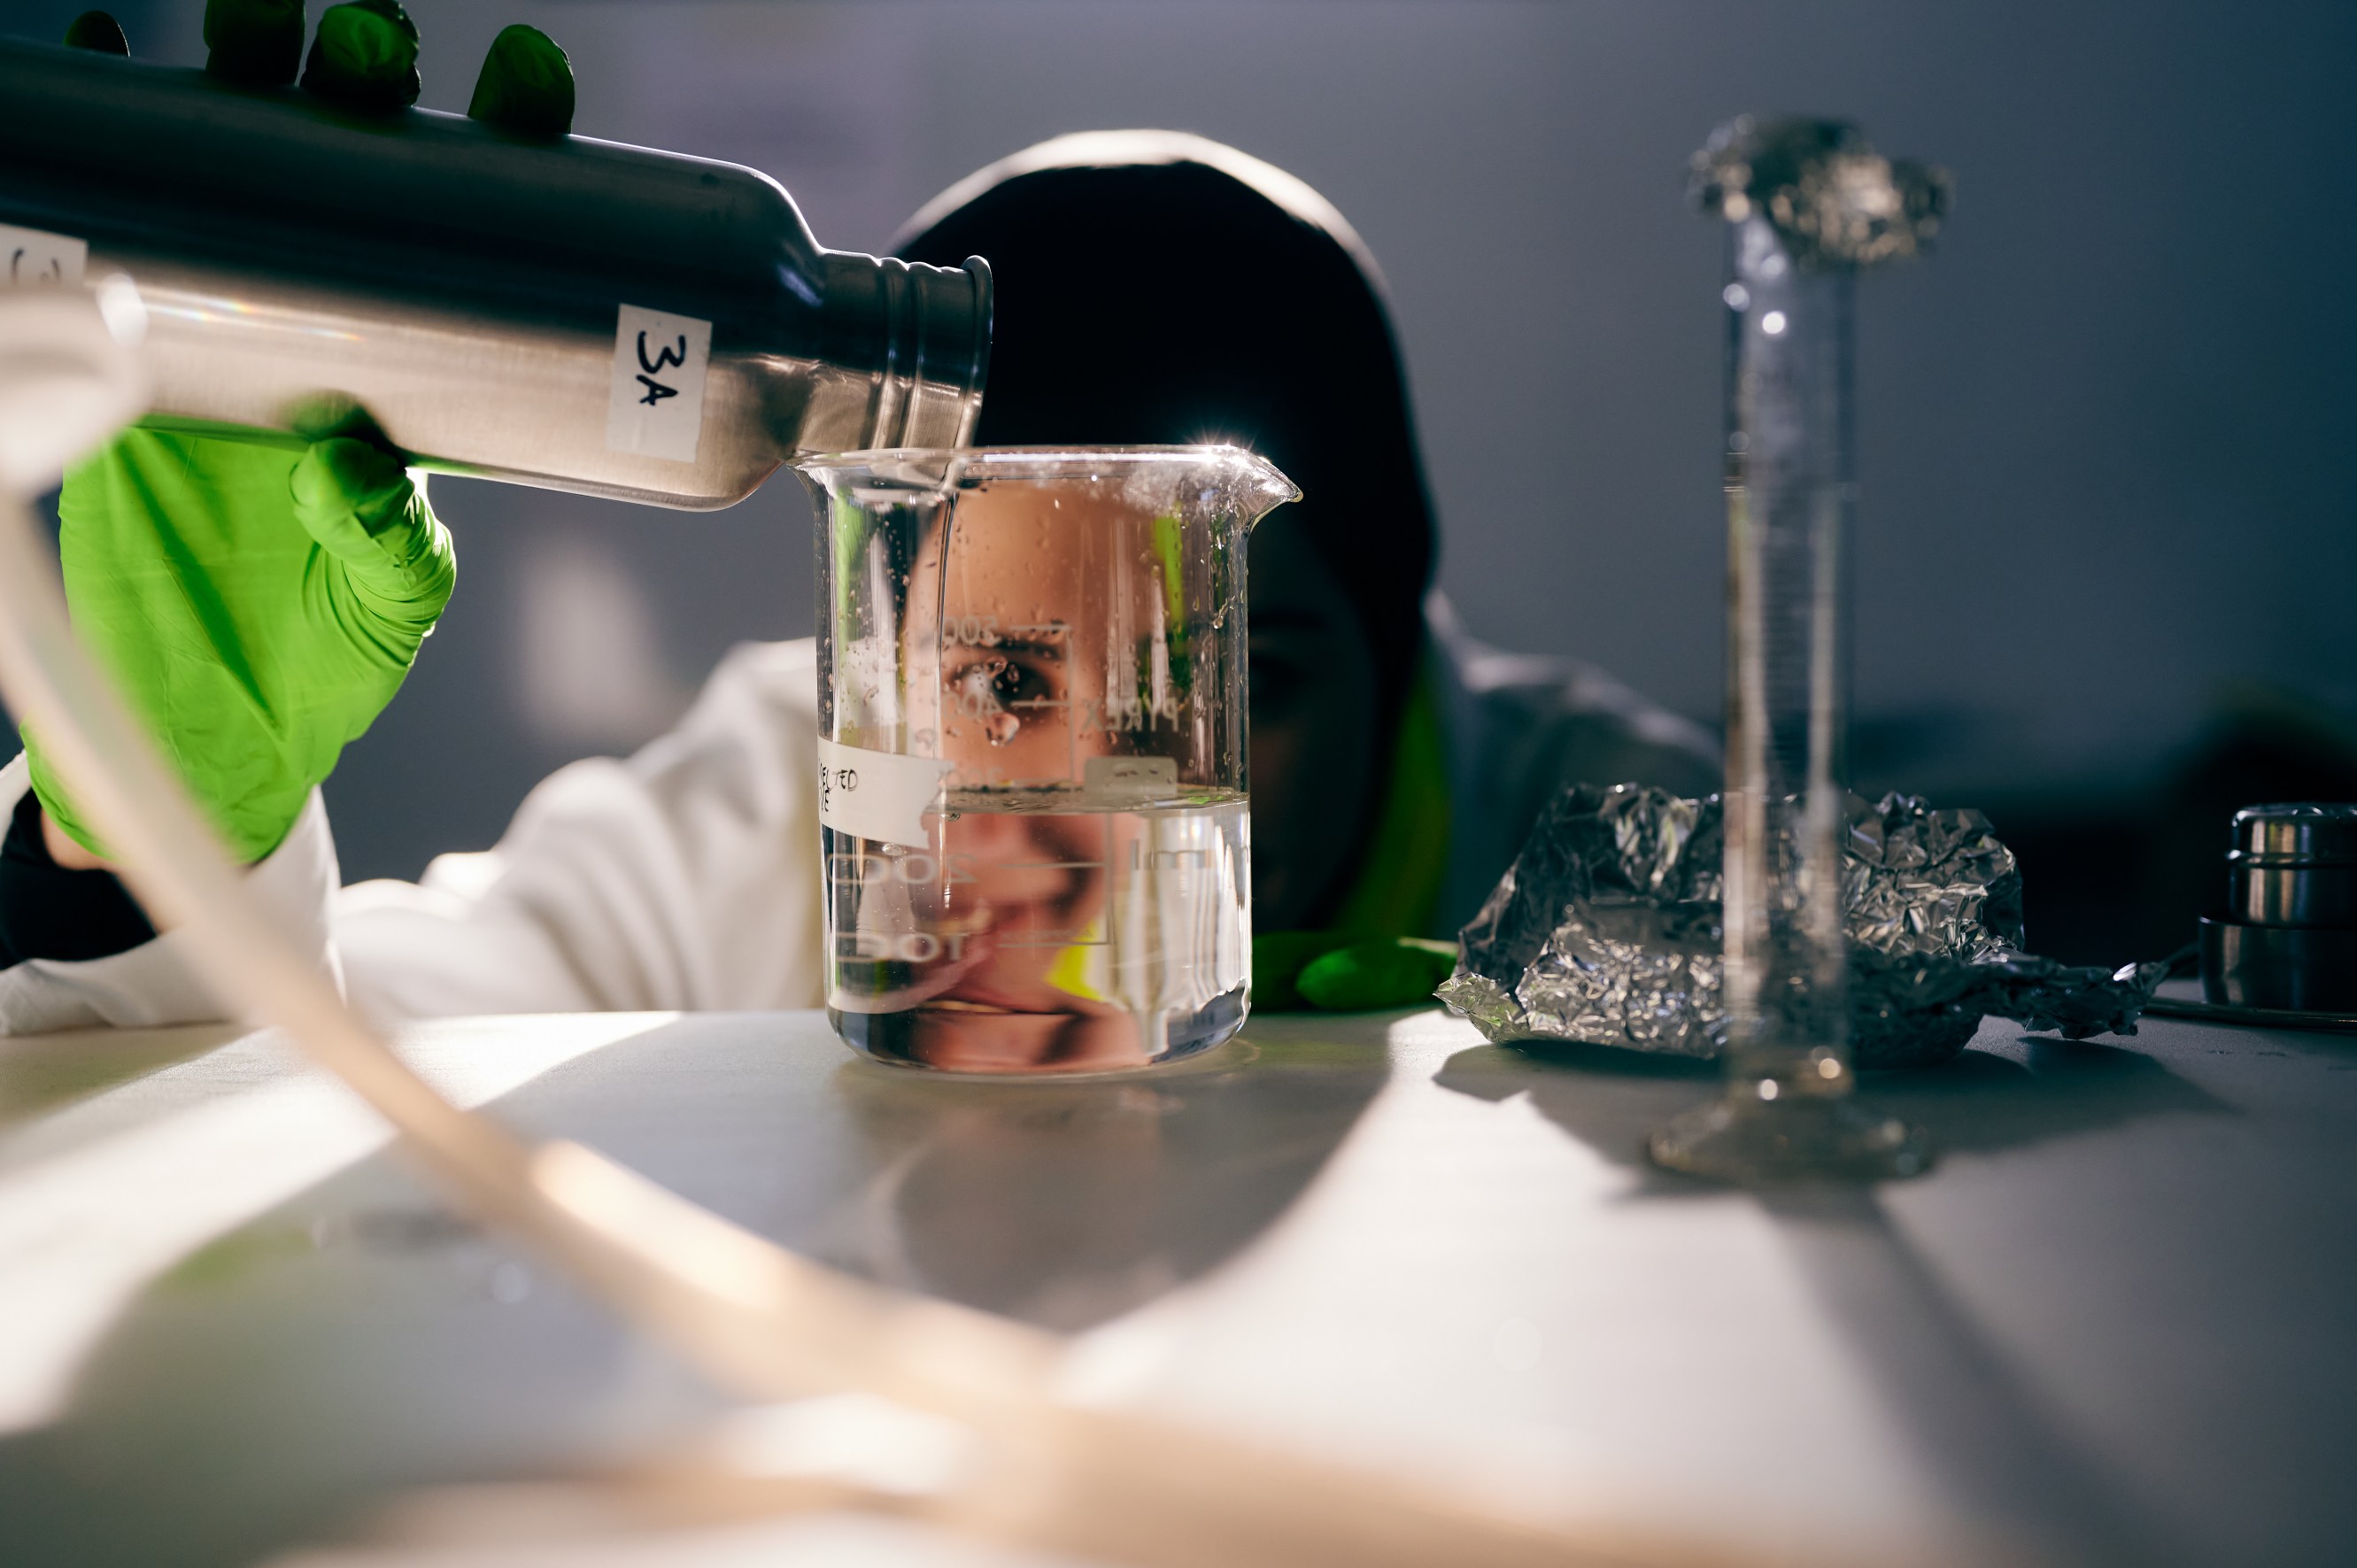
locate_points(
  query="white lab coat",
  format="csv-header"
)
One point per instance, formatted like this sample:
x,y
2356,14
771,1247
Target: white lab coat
x,y
687,877
1518,727
154,984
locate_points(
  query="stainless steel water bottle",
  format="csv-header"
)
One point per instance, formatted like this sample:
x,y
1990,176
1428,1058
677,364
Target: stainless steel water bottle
x,y
561,312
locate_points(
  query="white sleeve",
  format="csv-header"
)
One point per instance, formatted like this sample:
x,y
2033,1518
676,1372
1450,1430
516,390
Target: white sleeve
x,y
154,984
683,878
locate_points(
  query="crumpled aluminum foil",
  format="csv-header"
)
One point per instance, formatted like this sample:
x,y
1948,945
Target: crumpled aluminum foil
x,y
1606,930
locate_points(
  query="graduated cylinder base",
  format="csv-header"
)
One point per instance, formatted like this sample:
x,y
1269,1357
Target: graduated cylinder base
x,y
1743,1139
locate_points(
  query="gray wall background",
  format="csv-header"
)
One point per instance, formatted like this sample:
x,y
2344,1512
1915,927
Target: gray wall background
x,y
2105,432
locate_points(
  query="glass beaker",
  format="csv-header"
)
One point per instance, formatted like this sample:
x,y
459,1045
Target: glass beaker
x,y
1031,717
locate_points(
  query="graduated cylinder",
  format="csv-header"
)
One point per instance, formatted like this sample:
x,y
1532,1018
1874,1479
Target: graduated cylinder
x,y
1808,204
1789,499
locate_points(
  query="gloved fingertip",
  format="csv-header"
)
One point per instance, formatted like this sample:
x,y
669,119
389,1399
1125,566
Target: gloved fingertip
x,y
255,43
327,416
1385,972
96,30
364,57
363,508
526,86
49,790
1277,959
343,473
370,461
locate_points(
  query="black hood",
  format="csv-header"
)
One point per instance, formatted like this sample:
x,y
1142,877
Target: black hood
x,y
1154,286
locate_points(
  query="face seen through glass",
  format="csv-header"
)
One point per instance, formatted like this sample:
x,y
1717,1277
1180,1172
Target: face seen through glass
x,y
1032,583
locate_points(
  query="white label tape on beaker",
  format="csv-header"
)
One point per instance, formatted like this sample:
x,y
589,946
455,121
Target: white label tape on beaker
x,y
38,256
656,405
877,794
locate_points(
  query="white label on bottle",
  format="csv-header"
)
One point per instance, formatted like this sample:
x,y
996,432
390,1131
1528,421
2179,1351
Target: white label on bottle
x,y
877,794
35,256
656,408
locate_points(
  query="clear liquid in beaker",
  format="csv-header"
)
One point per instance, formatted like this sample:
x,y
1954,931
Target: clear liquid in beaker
x,y
1045,931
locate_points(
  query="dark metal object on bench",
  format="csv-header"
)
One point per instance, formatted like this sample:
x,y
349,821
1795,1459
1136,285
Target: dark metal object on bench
x,y
2289,941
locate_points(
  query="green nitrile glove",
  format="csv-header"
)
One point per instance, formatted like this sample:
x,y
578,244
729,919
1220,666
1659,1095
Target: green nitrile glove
x,y
260,601
526,86
1339,973
259,604
96,30
255,43
364,57
1389,971
1278,959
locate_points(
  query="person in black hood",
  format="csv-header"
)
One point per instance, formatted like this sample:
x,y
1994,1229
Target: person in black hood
x,y
1154,286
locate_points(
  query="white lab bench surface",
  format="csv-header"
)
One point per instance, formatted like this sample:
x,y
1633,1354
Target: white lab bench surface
x,y
2113,1324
